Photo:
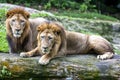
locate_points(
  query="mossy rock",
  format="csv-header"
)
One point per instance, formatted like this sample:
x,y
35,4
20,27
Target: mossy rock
x,y
74,67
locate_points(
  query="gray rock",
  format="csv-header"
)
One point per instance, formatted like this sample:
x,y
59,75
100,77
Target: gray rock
x,y
116,27
30,10
10,6
71,67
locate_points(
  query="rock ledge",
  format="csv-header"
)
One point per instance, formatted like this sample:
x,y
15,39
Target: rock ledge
x,y
72,67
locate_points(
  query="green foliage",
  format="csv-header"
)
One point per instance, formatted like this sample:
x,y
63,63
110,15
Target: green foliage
x,y
83,6
39,15
3,42
117,51
76,14
2,13
5,73
88,32
62,4
86,6
70,4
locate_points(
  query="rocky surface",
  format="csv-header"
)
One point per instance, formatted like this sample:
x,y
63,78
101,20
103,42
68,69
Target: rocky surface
x,y
71,67
10,6
30,10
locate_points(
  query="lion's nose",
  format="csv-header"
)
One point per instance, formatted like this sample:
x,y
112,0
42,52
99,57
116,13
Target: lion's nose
x,y
18,30
45,47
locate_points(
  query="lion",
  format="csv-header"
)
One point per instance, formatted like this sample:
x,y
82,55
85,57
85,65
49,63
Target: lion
x,y
81,44
54,40
51,42
21,31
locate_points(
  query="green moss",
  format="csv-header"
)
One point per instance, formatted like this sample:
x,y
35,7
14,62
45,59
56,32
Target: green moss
x,y
5,73
39,15
87,15
117,51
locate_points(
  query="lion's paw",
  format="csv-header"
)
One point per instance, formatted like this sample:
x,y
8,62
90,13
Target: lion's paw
x,y
106,55
43,61
102,57
24,54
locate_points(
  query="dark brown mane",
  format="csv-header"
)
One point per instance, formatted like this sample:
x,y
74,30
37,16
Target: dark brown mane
x,y
17,44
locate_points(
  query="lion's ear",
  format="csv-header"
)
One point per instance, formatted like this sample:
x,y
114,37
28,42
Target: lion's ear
x,y
56,28
27,14
57,32
42,27
39,28
8,14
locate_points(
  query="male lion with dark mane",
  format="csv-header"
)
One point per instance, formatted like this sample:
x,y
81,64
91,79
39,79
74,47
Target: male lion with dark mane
x,y
53,41
21,31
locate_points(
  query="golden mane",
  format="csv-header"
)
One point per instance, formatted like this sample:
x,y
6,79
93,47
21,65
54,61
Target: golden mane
x,y
55,27
48,25
11,12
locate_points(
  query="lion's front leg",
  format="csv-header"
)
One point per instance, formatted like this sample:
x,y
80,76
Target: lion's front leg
x,y
30,53
28,45
45,59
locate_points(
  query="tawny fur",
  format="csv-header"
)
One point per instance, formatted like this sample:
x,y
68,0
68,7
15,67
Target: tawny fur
x,y
28,37
71,43
59,44
82,43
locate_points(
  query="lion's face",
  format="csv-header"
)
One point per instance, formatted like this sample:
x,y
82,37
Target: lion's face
x,y
17,23
47,40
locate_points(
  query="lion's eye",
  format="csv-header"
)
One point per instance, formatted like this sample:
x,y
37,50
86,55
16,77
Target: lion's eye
x,y
42,37
22,21
13,20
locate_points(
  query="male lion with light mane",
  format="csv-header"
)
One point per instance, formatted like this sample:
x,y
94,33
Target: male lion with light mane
x,y
53,41
21,31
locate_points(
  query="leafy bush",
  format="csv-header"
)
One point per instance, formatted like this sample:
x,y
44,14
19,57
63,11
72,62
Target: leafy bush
x,y
86,6
62,4
5,73
3,42
2,13
83,5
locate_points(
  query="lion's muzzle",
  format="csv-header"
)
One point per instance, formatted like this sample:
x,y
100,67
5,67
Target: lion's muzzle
x,y
45,50
17,33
